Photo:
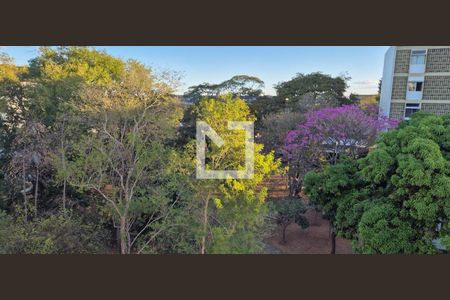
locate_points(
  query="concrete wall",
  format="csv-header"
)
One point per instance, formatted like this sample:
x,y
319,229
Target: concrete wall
x,y
386,83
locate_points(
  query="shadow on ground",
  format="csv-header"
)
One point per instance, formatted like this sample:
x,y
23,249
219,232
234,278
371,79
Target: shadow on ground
x,y
315,239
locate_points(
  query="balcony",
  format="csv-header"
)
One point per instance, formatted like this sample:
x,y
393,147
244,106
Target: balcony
x,y
414,95
417,62
416,68
414,88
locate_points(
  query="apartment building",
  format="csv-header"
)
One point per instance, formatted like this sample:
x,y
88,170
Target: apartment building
x,y
416,78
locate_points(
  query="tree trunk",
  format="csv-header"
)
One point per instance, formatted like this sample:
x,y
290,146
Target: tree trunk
x,y
333,240
64,195
124,235
284,234
63,162
205,226
24,187
36,192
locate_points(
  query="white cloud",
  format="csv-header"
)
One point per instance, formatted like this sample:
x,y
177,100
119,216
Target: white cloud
x,y
363,87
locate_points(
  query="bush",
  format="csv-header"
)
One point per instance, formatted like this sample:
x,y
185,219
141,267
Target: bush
x,y
56,234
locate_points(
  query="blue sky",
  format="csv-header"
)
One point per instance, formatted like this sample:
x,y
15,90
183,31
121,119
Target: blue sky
x,y
272,64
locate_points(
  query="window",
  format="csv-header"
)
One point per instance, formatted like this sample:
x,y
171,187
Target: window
x,y
411,108
418,57
415,86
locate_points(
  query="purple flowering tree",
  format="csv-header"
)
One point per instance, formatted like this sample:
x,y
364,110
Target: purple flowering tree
x,y
327,133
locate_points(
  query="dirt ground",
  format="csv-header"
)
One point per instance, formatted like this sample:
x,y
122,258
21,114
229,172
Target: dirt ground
x,y
313,240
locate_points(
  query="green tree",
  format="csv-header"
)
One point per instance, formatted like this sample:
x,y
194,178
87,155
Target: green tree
x,y
396,199
124,157
382,230
326,188
59,74
93,66
49,93
9,70
306,91
235,223
245,87
289,211
412,164
264,106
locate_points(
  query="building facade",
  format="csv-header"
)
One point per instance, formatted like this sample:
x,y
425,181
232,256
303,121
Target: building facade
x,y
415,78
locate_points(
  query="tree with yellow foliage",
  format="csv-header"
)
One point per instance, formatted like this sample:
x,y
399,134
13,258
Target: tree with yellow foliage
x,y
236,220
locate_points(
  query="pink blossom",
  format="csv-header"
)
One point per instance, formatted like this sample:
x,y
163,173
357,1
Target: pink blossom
x,y
347,126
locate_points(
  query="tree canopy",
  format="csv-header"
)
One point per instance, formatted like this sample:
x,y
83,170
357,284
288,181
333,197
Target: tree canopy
x,y
396,199
242,86
305,91
239,205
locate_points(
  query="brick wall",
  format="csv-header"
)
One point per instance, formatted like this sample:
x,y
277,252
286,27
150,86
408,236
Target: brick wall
x,y
402,61
436,88
438,60
437,108
399,87
397,111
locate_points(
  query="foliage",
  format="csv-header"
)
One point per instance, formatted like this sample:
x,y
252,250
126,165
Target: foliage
x,y
290,210
383,231
264,106
106,152
8,70
344,128
178,232
56,234
80,113
237,221
242,86
306,91
271,130
29,165
325,134
123,158
91,65
396,199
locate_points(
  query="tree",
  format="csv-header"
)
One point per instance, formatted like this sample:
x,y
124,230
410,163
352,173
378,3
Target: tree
x,y
48,91
124,156
92,66
272,130
94,114
394,200
30,163
290,210
59,74
245,87
306,91
15,110
327,133
323,137
8,70
377,98
411,164
326,187
181,228
382,230
235,223
264,106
